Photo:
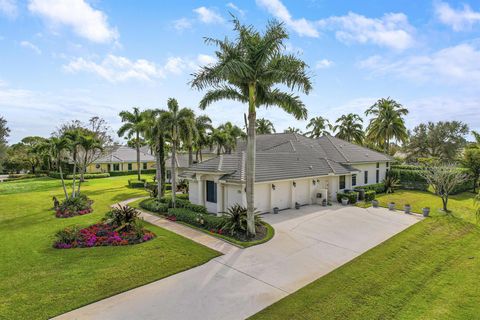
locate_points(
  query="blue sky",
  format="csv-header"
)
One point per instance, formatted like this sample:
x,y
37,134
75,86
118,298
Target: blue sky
x,y
73,59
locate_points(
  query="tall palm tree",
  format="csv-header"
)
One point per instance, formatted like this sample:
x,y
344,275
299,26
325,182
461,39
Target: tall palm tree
x,y
203,124
318,126
73,136
174,119
89,144
265,126
349,128
133,126
387,122
226,136
188,134
247,70
58,145
292,130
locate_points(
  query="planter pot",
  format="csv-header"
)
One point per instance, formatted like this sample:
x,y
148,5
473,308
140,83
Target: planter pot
x,y
275,210
375,203
361,194
297,206
407,209
344,202
391,206
426,212
324,203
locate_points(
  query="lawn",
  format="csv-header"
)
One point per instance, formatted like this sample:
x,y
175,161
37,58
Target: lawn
x,y
38,282
462,205
429,271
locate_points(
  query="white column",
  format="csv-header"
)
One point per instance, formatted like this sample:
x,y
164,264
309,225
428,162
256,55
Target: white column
x,y
201,195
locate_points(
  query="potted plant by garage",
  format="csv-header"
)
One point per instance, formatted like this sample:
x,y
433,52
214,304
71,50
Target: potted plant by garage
x,y
407,208
275,210
391,206
375,203
324,202
297,205
344,200
426,211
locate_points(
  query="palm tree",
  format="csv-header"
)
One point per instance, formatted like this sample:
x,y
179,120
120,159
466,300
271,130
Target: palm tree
x,y
387,122
226,136
292,130
133,126
247,70
73,136
57,147
89,144
349,128
265,126
319,127
188,134
174,119
202,124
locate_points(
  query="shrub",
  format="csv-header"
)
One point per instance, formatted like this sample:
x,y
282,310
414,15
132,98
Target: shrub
x,y
154,205
370,195
205,221
122,218
235,220
352,196
129,173
56,175
14,176
377,187
391,184
134,183
79,205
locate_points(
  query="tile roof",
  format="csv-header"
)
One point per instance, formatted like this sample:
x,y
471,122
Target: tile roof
x,y
124,154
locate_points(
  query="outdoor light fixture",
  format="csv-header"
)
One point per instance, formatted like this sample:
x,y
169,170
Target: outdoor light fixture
x,y
294,184
273,187
314,182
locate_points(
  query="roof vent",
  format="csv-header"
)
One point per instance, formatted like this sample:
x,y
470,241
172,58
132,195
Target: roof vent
x,y
310,167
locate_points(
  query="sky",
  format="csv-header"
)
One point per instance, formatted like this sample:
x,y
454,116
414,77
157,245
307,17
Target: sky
x,y
73,59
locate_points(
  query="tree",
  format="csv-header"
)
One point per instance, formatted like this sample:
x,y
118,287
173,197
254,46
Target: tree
x,y
443,180
471,160
225,137
4,133
442,140
318,126
293,130
387,123
203,125
188,134
33,152
89,146
73,137
132,127
174,119
57,148
247,70
264,126
349,128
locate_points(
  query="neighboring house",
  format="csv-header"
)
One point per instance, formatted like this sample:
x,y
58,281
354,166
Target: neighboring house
x,y
122,158
182,161
290,168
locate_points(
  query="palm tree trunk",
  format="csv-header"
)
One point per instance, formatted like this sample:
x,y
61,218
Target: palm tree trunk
x,y
174,160
82,173
251,150
159,170
190,154
137,145
61,177
74,172
162,164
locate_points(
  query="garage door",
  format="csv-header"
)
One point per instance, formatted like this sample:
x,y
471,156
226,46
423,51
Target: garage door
x,y
281,195
262,197
302,195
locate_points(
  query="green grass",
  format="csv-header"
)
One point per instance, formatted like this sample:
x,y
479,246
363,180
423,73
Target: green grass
x,y
38,282
429,271
243,244
461,205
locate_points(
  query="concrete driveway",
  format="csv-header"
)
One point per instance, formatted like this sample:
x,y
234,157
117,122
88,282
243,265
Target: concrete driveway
x,y
308,244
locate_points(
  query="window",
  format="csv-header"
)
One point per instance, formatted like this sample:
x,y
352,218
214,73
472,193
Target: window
x,y
211,191
386,173
116,167
342,182
169,174
365,177
378,165
377,177
129,167
388,164
354,180
145,166
97,166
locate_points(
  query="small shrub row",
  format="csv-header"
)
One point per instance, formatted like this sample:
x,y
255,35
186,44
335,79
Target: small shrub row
x,y
154,205
370,195
56,175
352,196
134,183
71,207
129,173
377,187
15,177
205,221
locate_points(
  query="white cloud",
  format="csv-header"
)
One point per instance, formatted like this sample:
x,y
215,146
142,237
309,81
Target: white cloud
x,y
324,64
182,23
459,19
234,7
31,46
392,30
208,16
455,65
301,26
9,8
119,69
85,21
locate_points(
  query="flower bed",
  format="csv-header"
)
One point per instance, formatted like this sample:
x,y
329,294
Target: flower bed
x,y
68,214
100,234
71,207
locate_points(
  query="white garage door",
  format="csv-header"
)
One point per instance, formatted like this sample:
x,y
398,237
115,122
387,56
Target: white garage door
x,y
262,197
302,195
281,195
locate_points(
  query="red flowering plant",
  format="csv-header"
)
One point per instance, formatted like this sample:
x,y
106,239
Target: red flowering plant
x,y
121,226
75,206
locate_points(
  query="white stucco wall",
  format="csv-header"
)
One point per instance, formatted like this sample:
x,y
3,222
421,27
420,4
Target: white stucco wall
x,y
302,192
371,168
281,196
262,197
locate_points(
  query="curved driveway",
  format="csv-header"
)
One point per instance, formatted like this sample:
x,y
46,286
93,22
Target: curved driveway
x,y
308,244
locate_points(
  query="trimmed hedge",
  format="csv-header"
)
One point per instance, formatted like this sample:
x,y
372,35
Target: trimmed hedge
x,y
56,175
14,176
134,183
377,187
410,179
129,173
204,221
406,167
370,195
351,195
154,205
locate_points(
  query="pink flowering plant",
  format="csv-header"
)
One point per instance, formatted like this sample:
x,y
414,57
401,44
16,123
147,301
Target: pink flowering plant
x,y
121,226
74,206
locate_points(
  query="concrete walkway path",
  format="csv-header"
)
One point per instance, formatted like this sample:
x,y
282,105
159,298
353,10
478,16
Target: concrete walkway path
x,y
308,244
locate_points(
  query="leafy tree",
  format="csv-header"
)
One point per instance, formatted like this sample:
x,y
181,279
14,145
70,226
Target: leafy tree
x,y
4,133
349,128
442,140
225,137
132,127
33,151
387,123
318,126
203,125
443,180
188,134
264,126
293,130
471,160
247,70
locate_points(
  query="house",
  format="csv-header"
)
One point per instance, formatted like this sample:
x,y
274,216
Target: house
x,y
182,161
122,158
290,168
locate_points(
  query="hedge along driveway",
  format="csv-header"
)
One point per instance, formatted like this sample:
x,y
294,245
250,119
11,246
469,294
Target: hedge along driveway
x,y
39,282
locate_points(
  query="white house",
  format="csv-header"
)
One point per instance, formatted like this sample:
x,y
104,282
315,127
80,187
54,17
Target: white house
x,y
290,168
